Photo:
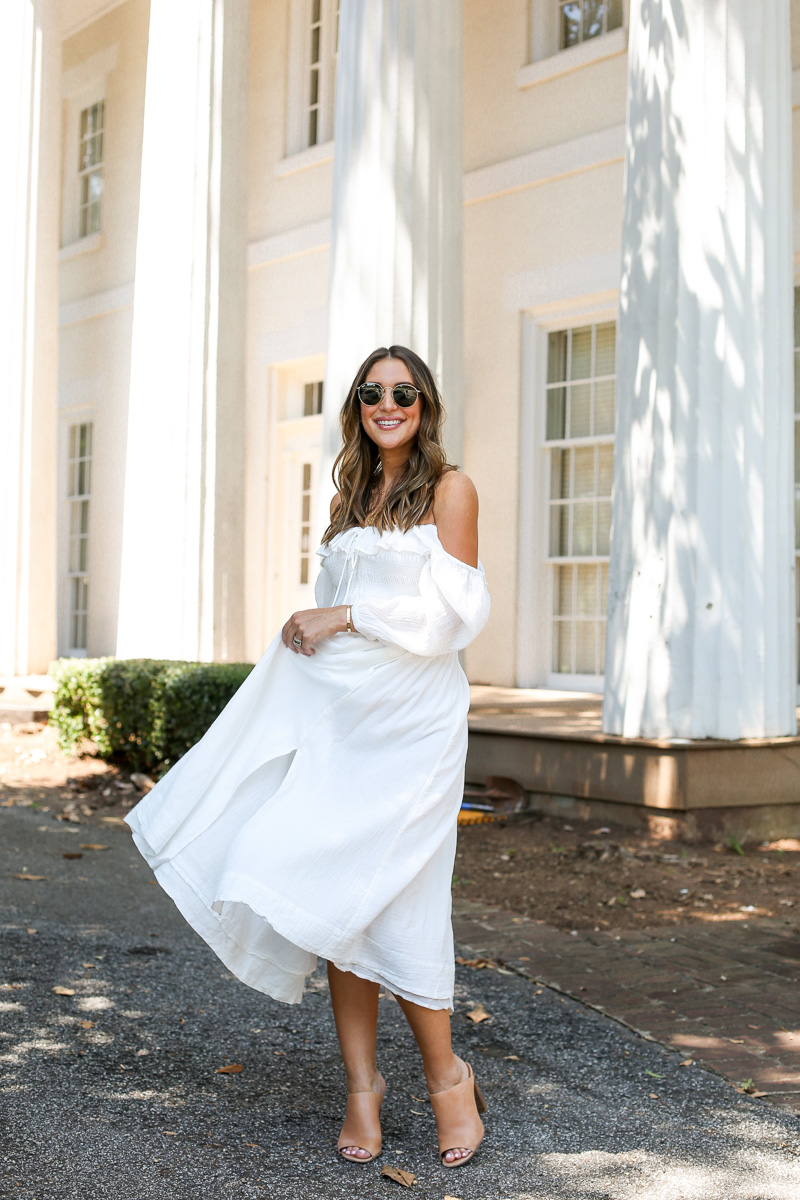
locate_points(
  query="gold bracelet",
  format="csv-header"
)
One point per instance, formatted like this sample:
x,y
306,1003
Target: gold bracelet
x,y
349,622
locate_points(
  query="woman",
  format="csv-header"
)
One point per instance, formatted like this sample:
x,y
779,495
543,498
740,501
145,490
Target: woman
x,y
317,815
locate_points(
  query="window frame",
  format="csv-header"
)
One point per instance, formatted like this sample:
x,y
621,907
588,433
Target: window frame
x,y
298,102
72,241
72,498
547,61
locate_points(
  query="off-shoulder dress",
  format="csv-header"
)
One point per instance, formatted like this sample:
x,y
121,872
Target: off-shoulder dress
x,y
317,815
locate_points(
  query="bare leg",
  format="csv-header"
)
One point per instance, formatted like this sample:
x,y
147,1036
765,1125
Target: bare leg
x,y
355,1011
431,1028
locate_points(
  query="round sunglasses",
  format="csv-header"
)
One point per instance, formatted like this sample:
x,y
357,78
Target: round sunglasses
x,y
403,394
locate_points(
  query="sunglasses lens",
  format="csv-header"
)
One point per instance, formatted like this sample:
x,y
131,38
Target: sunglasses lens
x,y
404,395
370,393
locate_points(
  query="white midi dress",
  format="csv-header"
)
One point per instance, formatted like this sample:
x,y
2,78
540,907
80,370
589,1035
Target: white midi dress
x,y
317,815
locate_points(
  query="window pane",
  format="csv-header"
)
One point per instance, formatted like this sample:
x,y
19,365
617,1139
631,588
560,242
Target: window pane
x,y
585,642
95,187
315,44
315,9
796,317
581,362
82,488
84,507
582,528
312,127
570,24
604,527
556,414
605,354
83,554
306,514
580,410
562,647
557,356
313,95
306,476
797,383
605,470
559,474
562,596
559,530
586,596
594,14
304,570
604,407
604,588
583,479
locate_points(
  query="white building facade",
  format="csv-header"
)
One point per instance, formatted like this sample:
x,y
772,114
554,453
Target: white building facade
x,y
221,207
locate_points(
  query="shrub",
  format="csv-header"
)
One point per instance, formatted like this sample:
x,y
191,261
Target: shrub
x,y
144,712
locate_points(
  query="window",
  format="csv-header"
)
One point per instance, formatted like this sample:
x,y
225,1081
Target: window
x,y
305,522
79,471
579,441
580,20
312,399
797,460
312,79
90,168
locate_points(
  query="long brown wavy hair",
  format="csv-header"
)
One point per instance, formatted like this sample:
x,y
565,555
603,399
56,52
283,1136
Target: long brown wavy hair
x,y
357,470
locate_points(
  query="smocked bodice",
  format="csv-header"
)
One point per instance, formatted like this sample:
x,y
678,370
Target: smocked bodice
x,y
404,587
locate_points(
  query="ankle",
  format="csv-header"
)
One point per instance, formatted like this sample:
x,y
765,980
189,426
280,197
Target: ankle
x,y
446,1075
368,1079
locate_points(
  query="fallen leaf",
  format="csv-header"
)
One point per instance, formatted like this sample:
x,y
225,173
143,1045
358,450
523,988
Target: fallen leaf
x,y
687,1062
31,930
24,875
749,1026
653,1074
252,1145
169,1132
476,962
113,821
511,1057
72,854
89,966
88,1024
419,1099
637,894
141,1054
478,1014
737,1041
62,991
233,1069
92,846
399,1176
653,1096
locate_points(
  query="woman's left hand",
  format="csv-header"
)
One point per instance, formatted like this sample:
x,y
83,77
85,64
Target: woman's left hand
x,y
312,626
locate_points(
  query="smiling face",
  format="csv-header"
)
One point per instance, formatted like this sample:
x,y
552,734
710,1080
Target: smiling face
x,y
390,427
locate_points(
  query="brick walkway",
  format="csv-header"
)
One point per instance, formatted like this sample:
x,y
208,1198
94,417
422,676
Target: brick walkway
x,y
725,996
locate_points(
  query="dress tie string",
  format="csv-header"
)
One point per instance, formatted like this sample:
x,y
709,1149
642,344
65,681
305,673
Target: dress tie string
x,y
352,554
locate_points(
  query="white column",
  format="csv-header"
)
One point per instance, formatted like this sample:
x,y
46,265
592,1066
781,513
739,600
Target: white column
x,y
181,585
30,94
396,248
701,620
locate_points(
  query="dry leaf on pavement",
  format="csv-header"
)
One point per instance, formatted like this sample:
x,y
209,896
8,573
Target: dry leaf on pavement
x,y
478,1014
233,1069
88,1024
72,854
24,875
62,991
687,1062
476,962
398,1175
92,846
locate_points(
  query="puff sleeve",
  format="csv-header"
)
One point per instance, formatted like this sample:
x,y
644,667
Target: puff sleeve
x,y
450,611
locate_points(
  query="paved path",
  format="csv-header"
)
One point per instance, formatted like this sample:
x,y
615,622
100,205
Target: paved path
x,y
725,995
112,1092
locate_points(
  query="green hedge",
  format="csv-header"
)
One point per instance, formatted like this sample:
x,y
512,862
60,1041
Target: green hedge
x,y
143,712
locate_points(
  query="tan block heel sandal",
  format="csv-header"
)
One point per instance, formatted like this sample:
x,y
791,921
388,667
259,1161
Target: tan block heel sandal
x,y
458,1124
362,1127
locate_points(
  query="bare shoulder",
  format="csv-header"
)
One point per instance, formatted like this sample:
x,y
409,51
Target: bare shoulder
x,y
455,511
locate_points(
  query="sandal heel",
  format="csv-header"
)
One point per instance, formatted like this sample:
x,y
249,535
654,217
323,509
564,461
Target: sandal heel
x,y
479,1100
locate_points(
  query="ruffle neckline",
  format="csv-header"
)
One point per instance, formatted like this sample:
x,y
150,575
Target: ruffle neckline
x,y
419,539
